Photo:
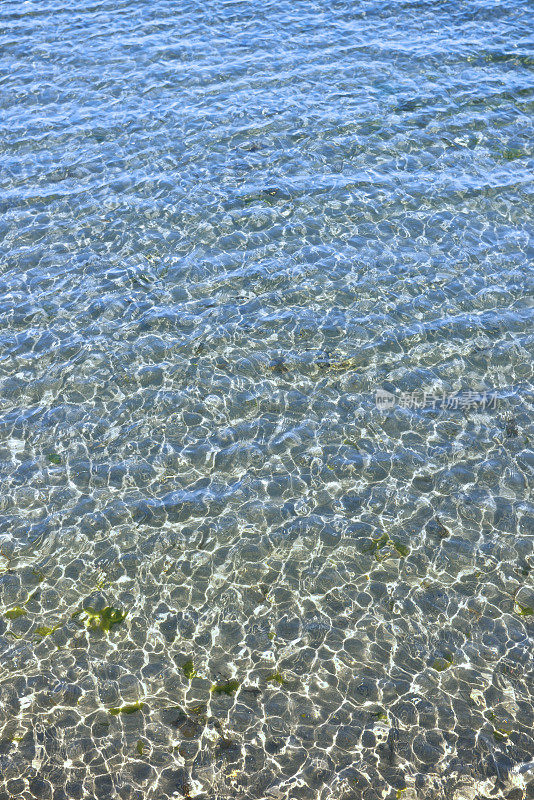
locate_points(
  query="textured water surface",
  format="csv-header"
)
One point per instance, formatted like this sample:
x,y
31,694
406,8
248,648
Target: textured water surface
x,y
224,571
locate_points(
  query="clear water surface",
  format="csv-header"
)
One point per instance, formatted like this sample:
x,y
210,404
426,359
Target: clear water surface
x,y
225,572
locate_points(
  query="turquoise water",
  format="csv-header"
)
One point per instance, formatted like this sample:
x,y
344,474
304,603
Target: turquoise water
x,y
266,343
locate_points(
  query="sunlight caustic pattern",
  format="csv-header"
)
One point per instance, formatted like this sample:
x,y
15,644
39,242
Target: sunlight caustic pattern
x,y
225,572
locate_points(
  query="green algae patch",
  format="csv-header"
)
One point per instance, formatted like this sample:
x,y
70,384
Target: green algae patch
x,y
377,544
54,458
336,363
227,687
523,611
189,670
45,630
511,153
377,547
140,748
105,619
379,715
344,364
502,725
278,678
401,549
15,613
501,728
279,367
128,709
442,663
200,708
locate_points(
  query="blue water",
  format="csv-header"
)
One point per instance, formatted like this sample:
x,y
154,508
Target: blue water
x,y
266,391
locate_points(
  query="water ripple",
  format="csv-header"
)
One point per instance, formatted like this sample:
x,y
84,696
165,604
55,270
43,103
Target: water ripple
x,y
225,572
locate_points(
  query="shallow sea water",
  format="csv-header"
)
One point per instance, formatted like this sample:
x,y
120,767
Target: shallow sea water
x,y
225,571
